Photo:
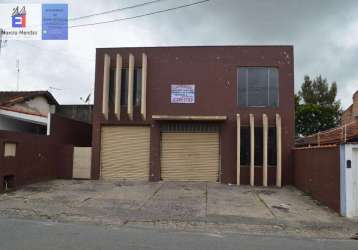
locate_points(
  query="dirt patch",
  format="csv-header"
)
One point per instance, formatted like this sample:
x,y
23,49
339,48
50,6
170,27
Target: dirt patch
x,y
282,207
36,189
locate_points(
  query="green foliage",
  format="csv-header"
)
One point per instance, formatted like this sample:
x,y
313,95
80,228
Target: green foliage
x,y
316,106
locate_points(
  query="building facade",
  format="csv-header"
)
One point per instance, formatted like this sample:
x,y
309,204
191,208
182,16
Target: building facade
x,y
187,113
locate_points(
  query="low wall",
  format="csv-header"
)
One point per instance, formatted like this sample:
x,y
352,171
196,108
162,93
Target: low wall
x,y
67,131
317,172
37,158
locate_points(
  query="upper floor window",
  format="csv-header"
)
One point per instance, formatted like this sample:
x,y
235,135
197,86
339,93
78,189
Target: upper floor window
x,y
124,87
137,86
258,87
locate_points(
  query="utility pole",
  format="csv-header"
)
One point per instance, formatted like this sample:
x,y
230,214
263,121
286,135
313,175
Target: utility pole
x,y
0,40
3,41
18,73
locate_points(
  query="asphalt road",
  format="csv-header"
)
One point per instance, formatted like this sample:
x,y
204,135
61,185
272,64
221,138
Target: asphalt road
x,y
26,234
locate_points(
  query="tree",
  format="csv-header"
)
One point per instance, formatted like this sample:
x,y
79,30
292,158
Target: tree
x,y
316,106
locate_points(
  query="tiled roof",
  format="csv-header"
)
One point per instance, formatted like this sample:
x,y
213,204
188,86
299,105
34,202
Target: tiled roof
x,y
22,111
11,97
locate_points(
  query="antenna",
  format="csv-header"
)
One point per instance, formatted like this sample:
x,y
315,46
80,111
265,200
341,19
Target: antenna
x,y
0,40
54,88
18,73
87,99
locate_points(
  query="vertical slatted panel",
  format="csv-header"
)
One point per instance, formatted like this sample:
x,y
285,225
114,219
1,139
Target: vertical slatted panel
x,y
190,156
125,153
143,108
105,96
117,96
279,151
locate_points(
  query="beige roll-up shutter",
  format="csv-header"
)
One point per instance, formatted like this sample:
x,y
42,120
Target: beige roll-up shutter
x,y
190,156
125,153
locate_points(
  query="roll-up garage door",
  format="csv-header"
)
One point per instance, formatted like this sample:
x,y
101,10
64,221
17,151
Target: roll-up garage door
x,y
125,153
190,156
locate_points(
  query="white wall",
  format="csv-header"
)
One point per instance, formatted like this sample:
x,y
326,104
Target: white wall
x,y
349,180
38,104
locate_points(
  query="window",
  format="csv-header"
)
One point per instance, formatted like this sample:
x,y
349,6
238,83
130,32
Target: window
x,y
9,149
112,85
137,87
124,87
189,127
246,149
258,87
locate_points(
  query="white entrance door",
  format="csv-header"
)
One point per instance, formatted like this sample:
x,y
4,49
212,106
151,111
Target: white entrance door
x,y
355,181
349,180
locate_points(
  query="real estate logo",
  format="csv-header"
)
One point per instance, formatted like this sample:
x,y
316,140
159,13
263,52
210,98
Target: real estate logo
x,y
35,21
19,17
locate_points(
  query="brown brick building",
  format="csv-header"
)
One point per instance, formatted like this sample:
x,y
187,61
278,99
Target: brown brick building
x,y
351,114
186,113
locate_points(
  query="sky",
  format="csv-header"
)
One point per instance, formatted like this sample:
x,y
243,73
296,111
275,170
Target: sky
x,y
324,34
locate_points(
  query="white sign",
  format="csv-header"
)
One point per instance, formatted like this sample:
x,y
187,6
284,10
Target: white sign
x,y
182,93
21,21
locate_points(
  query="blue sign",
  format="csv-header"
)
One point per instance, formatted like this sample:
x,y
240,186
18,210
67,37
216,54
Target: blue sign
x,y
54,22
19,21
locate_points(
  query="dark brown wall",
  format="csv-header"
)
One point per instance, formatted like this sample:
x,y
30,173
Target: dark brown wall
x,y
213,70
68,131
37,159
317,172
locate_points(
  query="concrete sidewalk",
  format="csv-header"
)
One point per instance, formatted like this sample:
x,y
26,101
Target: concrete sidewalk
x,y
183,206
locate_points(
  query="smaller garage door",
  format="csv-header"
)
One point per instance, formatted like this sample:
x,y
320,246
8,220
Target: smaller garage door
x,y
125,153
190,156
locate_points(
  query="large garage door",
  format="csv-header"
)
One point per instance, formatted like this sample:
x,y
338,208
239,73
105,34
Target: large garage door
x,y
190,156
125,153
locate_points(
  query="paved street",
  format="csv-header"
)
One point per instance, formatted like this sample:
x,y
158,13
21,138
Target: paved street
x,y
208,207
23,234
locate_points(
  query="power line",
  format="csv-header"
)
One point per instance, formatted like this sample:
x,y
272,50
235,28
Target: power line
x,y
116,10
138,16
48,50
108,11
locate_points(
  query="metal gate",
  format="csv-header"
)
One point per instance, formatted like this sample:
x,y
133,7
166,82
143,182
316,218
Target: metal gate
x,y
82,162
125,152
190,156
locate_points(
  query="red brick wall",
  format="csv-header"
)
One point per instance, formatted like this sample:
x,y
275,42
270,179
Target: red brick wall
x,y
317,172
37,159
68,131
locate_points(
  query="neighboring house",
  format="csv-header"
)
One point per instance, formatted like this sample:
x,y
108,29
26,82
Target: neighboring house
x,y
26,111
79,112
215,113
351,114
346,133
